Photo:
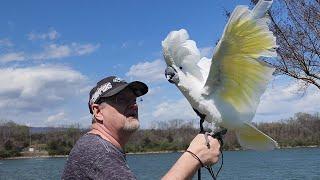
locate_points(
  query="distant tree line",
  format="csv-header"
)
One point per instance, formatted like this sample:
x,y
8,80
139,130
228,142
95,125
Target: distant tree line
x,y
15,138
59,142
301,130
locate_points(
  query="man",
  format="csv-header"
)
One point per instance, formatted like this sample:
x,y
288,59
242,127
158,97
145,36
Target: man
x,y
99,154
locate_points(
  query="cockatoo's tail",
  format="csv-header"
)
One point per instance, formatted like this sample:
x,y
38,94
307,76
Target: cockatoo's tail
x,y
227,89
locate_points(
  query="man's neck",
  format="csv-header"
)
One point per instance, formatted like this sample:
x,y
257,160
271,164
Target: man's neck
x,y
116,139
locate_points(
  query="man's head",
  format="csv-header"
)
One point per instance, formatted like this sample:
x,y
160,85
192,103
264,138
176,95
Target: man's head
x,y
113,103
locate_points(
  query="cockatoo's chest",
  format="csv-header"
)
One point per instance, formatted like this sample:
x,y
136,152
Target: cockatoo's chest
x,y
192,89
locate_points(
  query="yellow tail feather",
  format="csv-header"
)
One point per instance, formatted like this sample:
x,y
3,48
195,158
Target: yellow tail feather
x,y
250,137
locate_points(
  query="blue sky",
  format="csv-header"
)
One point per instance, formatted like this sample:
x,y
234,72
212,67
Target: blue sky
x,y
53,52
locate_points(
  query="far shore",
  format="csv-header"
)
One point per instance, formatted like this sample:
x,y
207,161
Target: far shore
x,y
31,157
139,153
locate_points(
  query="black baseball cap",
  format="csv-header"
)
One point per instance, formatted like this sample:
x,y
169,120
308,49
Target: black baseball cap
x,y
112,85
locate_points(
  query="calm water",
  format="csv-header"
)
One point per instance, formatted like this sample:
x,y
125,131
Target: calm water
x,y
302,163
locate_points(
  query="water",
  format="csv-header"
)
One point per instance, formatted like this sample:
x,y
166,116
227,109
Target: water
x,y
301,163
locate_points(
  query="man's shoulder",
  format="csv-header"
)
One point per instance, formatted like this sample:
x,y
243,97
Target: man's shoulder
x,y
93,156
88,143
91,144
87,140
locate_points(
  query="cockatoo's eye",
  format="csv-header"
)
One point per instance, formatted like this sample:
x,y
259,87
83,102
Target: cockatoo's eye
x,y
180,67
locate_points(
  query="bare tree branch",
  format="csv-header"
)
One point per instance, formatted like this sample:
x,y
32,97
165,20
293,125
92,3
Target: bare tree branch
x,y
296,24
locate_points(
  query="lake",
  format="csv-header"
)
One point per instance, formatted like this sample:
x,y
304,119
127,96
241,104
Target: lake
x,y
297,163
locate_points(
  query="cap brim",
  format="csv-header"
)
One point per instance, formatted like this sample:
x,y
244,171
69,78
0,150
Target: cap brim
x,y
138,88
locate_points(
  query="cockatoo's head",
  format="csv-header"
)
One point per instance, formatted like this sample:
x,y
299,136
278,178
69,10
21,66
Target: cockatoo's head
x,y
171,71
170,46
181,56
176,74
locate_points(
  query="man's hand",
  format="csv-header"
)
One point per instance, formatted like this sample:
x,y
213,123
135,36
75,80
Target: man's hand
x,y
187,164
208,156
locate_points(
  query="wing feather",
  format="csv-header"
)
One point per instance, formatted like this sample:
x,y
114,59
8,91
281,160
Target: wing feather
x,y
237,77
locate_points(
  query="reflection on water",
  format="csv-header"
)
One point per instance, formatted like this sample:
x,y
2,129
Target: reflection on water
x,y
302,163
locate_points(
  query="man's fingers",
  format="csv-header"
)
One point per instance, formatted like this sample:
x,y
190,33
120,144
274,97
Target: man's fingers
x,y
214,142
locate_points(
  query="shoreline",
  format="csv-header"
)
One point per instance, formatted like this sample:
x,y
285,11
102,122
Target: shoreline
x,y
292,147
32,157
142,153
154,152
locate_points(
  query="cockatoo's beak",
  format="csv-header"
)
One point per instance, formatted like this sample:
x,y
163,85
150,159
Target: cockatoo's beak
x,y
171,75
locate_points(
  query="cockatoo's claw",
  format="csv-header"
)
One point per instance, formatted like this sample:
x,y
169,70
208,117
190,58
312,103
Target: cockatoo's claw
x,y
171,75
219,135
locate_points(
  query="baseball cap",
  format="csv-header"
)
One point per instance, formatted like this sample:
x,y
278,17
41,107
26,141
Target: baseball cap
x,y
112,85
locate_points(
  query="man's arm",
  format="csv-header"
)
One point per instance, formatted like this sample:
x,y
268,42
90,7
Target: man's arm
x,y
187,164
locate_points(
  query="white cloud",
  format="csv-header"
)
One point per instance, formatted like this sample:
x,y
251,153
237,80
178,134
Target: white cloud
x,y
206,52
55,51
57,117
285,99
148,71
14,56
154,90
51,51
82,49
5,43
169,110
51,35
37,88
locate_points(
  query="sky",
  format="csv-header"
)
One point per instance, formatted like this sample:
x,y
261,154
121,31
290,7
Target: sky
x,y
53,52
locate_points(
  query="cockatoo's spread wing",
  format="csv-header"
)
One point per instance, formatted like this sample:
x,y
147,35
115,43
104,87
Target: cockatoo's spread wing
x,y
237,77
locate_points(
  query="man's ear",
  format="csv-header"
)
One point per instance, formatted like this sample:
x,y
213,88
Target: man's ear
x,y
97,112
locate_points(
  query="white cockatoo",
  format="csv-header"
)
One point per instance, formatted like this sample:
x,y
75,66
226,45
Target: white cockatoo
x,y
227,89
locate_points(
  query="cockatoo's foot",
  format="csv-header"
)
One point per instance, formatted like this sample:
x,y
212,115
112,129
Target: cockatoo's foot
x,y
219,135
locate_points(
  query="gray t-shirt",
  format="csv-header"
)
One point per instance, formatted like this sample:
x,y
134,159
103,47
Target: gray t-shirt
x,y
95,158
